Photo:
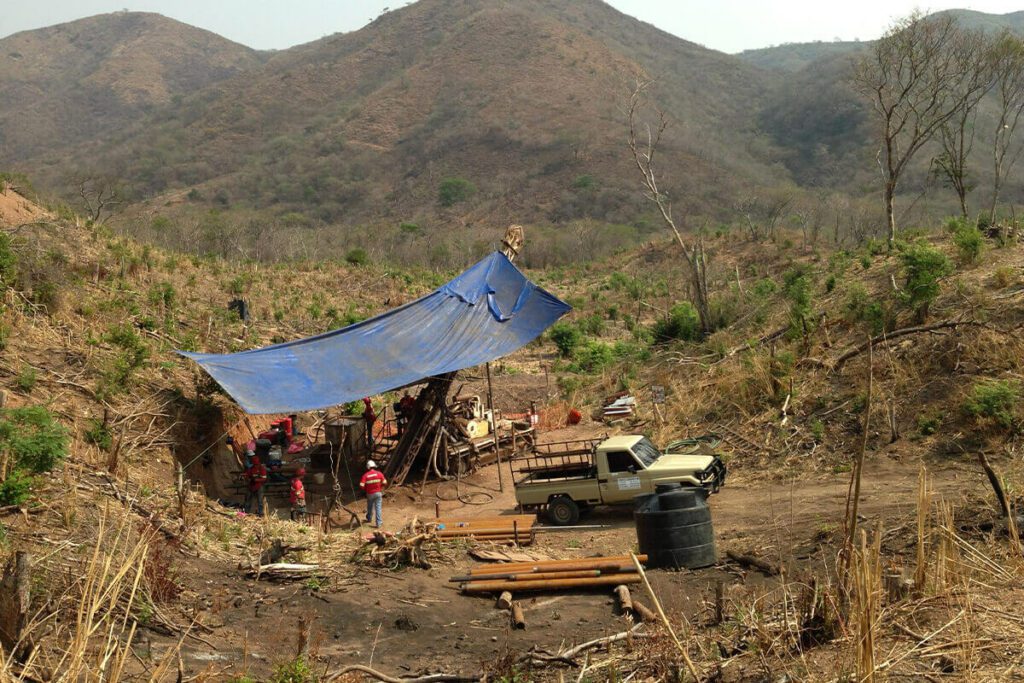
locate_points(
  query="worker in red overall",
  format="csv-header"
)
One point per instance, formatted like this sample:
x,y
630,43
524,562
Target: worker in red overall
x,y
406,407
370,415
297,496
373,483
256,476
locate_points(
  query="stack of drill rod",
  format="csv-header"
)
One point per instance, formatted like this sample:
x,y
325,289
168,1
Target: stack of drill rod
x,y
545,575
518,528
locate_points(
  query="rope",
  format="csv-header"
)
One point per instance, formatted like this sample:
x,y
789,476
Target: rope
x,y
207,449
464,498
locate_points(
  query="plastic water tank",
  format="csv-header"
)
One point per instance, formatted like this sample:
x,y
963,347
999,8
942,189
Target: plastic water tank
x,y
673,526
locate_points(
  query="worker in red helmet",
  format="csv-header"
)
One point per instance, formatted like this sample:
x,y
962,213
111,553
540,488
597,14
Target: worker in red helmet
x,y
297,496
256,476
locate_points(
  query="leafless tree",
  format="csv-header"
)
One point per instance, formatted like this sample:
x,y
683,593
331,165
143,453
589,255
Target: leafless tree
x,y
1008,58
101,196
918,76
763,211
957,137
644,148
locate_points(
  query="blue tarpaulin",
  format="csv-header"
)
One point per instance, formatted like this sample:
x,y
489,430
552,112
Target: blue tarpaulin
x,y
487,312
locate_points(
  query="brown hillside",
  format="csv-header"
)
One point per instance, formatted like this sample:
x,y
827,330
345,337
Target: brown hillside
x,y
520,99
65,84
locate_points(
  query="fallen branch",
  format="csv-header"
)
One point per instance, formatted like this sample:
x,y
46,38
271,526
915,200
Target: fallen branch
x,y
754,562
886,337
571,653
429,678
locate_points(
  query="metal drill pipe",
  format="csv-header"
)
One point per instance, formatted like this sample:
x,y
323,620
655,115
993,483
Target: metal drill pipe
x,y
563,569
548,584
583,573
547,565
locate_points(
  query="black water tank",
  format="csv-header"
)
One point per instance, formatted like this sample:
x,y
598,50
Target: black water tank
x,y
673,526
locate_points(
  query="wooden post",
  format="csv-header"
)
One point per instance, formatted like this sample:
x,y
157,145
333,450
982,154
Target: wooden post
x,y
719,608
494,428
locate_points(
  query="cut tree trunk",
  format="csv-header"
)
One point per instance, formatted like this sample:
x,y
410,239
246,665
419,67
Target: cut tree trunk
x,y
15,594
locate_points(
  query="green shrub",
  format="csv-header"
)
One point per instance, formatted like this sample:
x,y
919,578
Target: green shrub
x,y
295,671
238,284
764,288
125,336
592,325
1004,276
817,430
591,356
993,399
27,378
162,294
357,257
99,434
967,238
839,262
455,190
682,323
5,335
32,438
584,182
928,424
923,266
8,260
566,337
15,488
796,286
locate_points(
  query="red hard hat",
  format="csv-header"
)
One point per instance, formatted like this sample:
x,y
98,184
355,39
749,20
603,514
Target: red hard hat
x,y
301,472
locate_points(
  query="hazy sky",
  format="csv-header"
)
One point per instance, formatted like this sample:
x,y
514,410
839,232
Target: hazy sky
x,y
727,25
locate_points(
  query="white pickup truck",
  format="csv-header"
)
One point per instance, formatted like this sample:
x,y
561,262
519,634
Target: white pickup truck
x,y
562,478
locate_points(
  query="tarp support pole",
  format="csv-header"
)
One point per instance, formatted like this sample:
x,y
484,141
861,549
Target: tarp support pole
x,y
494,427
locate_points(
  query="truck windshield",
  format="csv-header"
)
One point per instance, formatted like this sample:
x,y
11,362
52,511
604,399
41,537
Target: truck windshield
x,y
646,452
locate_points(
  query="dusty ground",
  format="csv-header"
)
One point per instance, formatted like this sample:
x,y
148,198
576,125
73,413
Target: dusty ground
x,y
414,620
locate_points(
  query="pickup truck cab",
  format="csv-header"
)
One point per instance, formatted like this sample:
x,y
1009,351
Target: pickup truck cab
x,y
567,477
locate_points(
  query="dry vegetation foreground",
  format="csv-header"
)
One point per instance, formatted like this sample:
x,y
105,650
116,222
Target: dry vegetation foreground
x,y
130,578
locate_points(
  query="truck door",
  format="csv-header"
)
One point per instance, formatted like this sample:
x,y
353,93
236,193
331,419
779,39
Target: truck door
x,y
617,476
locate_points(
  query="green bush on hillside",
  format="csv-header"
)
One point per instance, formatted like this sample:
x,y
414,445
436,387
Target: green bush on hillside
x,y
682,323
923,266
967,238
994,399
796,286
8,260
566,337
31,442
357,257
455,190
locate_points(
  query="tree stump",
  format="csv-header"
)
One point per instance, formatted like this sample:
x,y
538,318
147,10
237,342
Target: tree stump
x,y
14,603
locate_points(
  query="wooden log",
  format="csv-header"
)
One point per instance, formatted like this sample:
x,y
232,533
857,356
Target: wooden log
x,y
643,612
754,562
625,600
518,618
504,600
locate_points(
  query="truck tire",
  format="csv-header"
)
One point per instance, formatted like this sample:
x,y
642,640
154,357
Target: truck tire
x,y
563,511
